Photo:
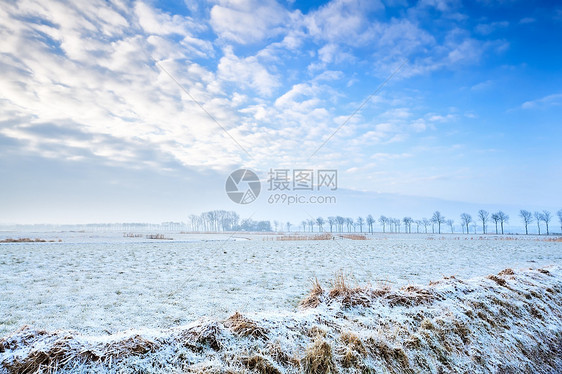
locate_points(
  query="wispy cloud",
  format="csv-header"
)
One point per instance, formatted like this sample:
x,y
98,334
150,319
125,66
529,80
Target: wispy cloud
x,y
544,102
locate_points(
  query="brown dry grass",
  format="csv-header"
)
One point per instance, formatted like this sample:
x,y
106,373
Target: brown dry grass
x,y
499,281
352,350
260,364
243,326
347,295
198,337
65,351
354,236
324,236
507,271
314,297
319,358
28,240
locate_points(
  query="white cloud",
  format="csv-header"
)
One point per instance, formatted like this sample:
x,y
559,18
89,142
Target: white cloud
x,y
248,21
544,102
246,72
488,28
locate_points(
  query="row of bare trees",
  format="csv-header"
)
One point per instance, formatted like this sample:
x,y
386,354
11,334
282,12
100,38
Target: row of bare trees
x,y
222,220
425,225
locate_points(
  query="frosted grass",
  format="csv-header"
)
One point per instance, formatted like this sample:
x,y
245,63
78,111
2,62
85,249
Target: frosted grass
x,y
100,283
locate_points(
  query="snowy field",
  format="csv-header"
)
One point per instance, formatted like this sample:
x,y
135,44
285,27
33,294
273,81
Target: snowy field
x,y
99,283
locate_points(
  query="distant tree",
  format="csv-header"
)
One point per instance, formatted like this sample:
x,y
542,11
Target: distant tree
x,y
340,221
396,224
496,219
538,218
527,218
546,217
425,223
474,227
451,224
370,221
303,223
559,213
360,222
275,225
503,218
320,222
311,223
289,224
349,223
408,224
383,221
418,224
465,221
484,216
438,219
332,221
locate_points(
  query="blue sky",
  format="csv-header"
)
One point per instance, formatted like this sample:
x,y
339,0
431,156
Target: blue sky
x,y
93,129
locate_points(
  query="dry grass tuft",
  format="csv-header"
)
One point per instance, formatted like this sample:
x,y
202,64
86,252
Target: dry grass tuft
x,y
243,326
319,358
410,296
135,345
352,341
507,271
260,364
352,350
208,334
314,297
500,281
349,296
279,355
395,357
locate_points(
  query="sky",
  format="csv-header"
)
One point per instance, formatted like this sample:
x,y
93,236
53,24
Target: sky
x,y
138,111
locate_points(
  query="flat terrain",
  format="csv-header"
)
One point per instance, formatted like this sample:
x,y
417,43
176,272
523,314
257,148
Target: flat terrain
x,y
103,282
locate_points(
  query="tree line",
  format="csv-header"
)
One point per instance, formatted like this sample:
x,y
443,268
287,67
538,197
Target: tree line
x,y
222,220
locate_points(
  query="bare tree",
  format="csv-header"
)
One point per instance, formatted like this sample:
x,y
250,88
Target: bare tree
x,y
484,218
503,218
332,221
465,221
360,221
527,218
303,223
438,219
408,224
349,223
418,224
546,217
425,223
538,218
370,222
496,219
311,224
289,224
340,221
383,221
320,222
559,213
451,224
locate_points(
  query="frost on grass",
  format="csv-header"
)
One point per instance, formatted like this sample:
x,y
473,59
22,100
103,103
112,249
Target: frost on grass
x,y
510,322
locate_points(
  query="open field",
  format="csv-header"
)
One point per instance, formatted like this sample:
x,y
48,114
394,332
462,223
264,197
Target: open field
x,y
99,282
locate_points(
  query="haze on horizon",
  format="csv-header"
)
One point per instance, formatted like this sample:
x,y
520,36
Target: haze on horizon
x,y
94,129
